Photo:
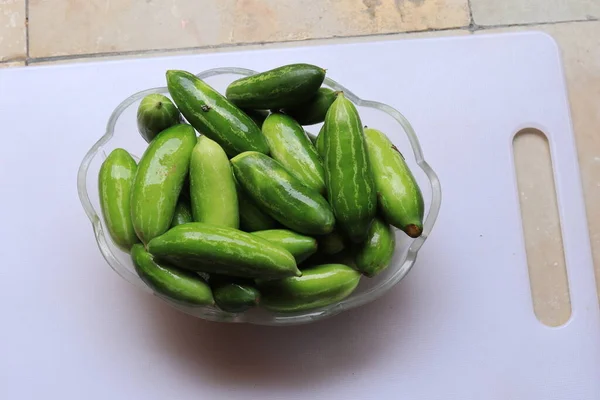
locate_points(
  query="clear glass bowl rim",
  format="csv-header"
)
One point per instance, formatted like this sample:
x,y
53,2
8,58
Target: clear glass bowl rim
x,y
214,314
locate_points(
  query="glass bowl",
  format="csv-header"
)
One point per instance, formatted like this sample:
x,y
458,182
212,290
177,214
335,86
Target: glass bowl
x,y
121,131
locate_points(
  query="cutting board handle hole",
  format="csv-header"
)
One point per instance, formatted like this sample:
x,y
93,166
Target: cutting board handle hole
x,y
541,227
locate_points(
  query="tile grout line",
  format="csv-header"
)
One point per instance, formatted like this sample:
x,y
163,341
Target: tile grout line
x,y
472,27
228,45
26,32
516,25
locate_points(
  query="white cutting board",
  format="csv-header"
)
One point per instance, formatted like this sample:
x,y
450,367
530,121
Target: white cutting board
x,y
459,327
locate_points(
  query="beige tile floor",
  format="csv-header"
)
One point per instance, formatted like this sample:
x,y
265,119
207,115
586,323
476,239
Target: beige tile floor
x,y
49,31
13,37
